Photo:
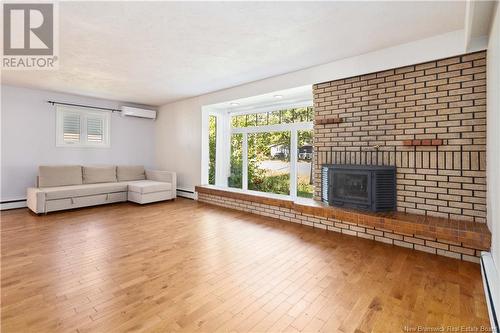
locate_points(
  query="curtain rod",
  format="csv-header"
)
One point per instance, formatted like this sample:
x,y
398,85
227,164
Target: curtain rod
x,y
84,106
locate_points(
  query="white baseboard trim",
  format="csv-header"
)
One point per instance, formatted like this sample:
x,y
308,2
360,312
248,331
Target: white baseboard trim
x,y
21,203
491,283
187,194
13,204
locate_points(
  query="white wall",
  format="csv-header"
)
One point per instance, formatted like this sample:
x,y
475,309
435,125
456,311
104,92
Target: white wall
x,y
179,143
28,138
493,137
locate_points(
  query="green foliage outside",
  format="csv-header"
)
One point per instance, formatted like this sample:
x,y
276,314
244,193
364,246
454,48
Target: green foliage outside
x,y
212,130
304,183
273,118
259,149
236,174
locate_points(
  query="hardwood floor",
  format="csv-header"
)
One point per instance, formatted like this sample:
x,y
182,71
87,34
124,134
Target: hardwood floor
x,y
187,266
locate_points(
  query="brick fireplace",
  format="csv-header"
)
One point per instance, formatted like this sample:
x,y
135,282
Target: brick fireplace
x,y
428,120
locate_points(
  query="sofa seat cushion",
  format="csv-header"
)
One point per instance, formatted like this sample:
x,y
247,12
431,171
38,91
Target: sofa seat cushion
x,y
148,186
72,191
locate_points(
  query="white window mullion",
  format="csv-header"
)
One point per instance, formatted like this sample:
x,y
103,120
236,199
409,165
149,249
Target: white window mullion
x,y
83,127
223,150
205,150
226,145
293,164
244,152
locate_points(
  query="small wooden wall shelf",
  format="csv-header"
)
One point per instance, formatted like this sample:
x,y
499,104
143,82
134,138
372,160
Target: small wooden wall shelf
x,y
330,120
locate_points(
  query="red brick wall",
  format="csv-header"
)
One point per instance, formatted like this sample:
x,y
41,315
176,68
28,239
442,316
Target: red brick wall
x,y
440,106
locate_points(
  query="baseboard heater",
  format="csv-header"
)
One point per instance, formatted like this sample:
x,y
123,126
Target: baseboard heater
x,y
491,283
12,204
186,194
21,203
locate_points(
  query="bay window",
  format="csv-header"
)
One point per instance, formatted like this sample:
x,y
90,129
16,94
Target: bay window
x,y
268,151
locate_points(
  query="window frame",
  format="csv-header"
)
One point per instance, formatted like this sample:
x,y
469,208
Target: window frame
x,y
84,115
225,130
214,117
293,128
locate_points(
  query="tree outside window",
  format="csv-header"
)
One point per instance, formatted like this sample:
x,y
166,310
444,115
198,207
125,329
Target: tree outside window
x,y
212,142
269,153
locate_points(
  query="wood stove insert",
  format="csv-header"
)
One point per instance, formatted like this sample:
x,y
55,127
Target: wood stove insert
x,y
364,187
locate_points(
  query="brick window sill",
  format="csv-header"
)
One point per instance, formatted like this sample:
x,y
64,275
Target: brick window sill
x,y
470,234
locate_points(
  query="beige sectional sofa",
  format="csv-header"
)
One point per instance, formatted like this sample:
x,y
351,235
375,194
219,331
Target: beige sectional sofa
x,y
74,186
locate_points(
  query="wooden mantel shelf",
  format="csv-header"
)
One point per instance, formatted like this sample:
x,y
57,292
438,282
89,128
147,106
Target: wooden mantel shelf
x,y
329,120
433,142
470,234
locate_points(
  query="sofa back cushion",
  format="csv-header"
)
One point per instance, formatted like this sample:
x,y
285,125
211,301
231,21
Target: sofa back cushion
x,y
130,172
99,174
59,175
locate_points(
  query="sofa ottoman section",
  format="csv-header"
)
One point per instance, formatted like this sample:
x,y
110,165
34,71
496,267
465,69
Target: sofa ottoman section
x,y
146,191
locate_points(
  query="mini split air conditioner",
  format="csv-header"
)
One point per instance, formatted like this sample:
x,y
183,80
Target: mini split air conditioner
x,y
136,112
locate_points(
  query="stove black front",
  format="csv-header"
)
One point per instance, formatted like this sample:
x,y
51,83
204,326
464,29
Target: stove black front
x,y
365,187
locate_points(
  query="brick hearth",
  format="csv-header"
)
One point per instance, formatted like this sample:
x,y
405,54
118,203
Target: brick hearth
x,y
452,238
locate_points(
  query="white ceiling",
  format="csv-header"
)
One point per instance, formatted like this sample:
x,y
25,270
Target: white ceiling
x,y
158,52
274,100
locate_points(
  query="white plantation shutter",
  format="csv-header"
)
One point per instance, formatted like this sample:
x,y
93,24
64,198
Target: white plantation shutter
x,y
78,127
71,128
95,129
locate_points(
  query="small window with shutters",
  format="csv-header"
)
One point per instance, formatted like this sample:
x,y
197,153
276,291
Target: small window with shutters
x,y
77,127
